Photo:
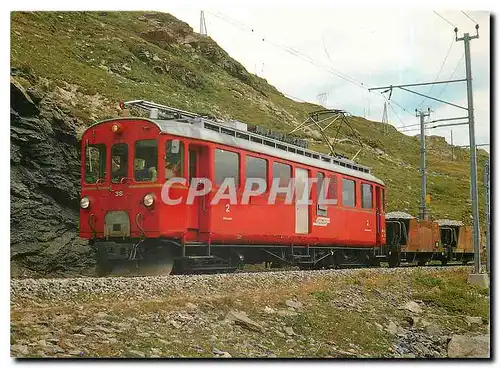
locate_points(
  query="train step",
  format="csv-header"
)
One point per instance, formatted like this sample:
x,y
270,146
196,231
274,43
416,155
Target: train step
x,y
195,244
300,256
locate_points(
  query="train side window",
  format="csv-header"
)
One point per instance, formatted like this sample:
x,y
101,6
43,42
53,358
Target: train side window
x,y
95,163
256,168
192,165
383,198
322,209
332,188
283,172
366,196
226,166
348,193
119,162
146,160
174,159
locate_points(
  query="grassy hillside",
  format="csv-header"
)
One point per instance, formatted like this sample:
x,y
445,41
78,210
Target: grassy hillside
x,y
92,60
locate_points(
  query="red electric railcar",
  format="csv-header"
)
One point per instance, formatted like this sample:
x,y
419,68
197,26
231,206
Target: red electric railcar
x,y
126,161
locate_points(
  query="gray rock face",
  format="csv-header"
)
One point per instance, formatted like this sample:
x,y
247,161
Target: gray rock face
x,y
45,181
462,346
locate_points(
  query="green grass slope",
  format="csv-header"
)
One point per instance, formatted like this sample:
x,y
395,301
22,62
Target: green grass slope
x,y
113,56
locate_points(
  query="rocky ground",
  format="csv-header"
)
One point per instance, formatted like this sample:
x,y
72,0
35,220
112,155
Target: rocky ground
x,y
365,313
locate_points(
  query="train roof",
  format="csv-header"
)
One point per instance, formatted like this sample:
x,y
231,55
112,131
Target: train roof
x,y
223,134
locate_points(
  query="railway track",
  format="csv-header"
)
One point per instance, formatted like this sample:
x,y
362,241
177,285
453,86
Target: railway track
x,y
403,264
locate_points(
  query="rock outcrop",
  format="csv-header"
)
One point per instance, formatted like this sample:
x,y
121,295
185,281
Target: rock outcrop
x,y
45,180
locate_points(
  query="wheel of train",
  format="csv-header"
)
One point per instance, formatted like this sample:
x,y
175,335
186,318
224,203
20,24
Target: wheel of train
x,y
394,258
152,261
422,262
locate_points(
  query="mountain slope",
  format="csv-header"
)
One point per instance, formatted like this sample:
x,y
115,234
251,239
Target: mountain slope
x,y
69,69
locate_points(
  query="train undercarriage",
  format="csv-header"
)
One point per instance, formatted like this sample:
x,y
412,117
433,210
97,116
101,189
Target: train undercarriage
x,y
148,257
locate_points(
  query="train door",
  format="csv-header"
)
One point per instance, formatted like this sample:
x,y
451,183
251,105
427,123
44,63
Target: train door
x,y
379,203
198,164
301,209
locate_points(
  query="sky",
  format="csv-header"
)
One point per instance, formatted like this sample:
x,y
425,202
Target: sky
x,y
340,52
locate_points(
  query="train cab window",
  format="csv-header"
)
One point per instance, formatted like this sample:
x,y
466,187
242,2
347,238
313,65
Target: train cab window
x,y
119,162
366,196
256,168
95,162
322,209
226,166
146,160
174,159
348,193
283,172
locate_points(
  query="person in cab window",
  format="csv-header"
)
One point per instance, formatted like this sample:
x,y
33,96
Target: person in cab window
x,y
119,168
153,175
142,172
173,159
172,170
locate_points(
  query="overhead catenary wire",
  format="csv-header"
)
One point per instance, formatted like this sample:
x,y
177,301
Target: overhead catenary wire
x,y
344,76
301,55
464,13
443,18
439,72
290,50
395,112
451,77
295,98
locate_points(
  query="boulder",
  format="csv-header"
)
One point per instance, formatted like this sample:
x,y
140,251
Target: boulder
x,y
269,310
473,320
293,304
463,346
221,354
433,330
242,319
412,307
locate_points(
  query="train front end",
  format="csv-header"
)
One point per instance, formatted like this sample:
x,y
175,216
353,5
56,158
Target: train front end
x,y
120,191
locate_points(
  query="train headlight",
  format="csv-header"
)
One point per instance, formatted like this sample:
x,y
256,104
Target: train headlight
x,y
148,200
85,203
116,128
